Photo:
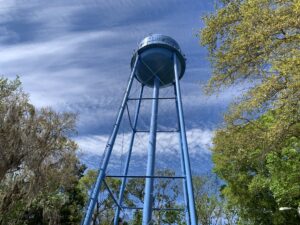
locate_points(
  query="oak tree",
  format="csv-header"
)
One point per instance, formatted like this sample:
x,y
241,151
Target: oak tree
x,y
38,160
255,43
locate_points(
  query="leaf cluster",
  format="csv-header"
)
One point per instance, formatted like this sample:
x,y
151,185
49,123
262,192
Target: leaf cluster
x,y
255,43
38,162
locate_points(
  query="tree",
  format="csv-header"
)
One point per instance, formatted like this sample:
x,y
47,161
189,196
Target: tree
x,y
165,195
166,192
258,180
72,210
38,162
105,206
257,42
212,208
284,168
209,205
68,205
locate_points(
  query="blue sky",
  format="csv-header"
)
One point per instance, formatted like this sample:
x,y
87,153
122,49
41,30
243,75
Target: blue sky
x,y
73,55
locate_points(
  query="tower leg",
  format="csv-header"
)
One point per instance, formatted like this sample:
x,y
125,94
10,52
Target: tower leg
x,y
189,183
107,153
122,188
148,198
185,194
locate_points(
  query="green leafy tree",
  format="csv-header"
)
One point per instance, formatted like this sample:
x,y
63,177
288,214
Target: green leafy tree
x,y
137,218
209,205
105,206
165,195
212,208
67,204
257,153
259,181
72,210
38,162
166,192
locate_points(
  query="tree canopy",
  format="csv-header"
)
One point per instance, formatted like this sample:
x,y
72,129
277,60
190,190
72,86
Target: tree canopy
x,y
165,196
256,43
38,164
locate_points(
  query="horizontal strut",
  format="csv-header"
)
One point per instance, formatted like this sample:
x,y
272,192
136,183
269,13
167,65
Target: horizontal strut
x,y
137,176
166,98
158,131
158,209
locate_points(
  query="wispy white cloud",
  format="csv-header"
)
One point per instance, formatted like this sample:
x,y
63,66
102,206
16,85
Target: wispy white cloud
x,y
59,47
199,142
168,154
48,69
75,54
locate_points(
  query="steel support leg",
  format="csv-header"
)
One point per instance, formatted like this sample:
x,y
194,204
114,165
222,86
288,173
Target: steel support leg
x,y
148,198
107,152
189,183
122,188
185,194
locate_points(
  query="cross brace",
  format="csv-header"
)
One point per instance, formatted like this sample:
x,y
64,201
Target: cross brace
x,y
136,176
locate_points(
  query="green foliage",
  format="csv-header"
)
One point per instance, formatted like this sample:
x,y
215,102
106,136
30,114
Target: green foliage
x,y
284,169
104,211
245,36
260,177
165,196
38,164
257,41
208,204
137,218
257,152
8,87
71,210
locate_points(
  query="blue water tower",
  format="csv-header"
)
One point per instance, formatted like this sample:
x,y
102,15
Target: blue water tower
x,y
157,63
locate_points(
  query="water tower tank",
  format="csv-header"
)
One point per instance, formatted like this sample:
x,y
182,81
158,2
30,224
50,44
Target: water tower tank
x,y
156,59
